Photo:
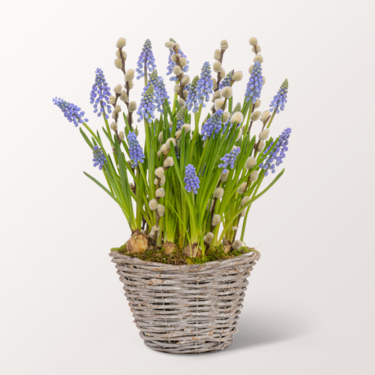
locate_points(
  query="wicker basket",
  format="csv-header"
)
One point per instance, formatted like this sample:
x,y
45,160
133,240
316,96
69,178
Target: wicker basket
x,y
186,309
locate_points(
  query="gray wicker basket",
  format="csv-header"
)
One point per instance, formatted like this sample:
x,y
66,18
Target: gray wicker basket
x,y
186,309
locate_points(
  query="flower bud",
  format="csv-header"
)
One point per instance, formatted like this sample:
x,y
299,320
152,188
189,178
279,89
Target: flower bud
x,y
265,116
227,92
187,127
253,176
261,145
130,84
239,135
217,67
118,89
176,89
218,193
236,245
132,106
129,75
256,48
183,61
117,109
216,95
118,63
162,181
242,188
160,209
253,41
224,176
255,116
217,54
186,92
208,238
159,154
123,53
219,104
170,45
237,117
258,58
114,126
226,116
160,193
168,162
237,76
121,136
159,172
250,162
174,57
112,100
124,97
178,134
224,44
153,204
216,219
181,102
257,104
185,81
214,83
177,70
243,213
245,200
251,68
222,74
264,134
177,46
121,43
168,143
164,148
160,137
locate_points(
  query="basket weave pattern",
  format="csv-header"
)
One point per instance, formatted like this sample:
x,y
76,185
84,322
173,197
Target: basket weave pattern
x,y
186,309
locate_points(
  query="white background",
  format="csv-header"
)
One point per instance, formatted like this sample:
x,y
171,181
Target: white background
x,y
310,304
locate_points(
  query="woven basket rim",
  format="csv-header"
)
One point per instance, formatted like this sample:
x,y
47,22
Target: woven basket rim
x,y
254,254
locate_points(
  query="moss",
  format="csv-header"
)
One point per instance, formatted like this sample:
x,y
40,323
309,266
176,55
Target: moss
x,y
179,258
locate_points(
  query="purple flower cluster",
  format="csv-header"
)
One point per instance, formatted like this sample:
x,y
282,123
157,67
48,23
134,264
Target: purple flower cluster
x,y
135,150
147,107
255,84
205,83
226,81
212,125
159,89
71,111
229,159
194,96
99,158
276,156
279,100
100,94
180,118
191,179
146,59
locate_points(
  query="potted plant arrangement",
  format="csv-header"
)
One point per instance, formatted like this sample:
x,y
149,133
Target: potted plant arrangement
x,y
186,194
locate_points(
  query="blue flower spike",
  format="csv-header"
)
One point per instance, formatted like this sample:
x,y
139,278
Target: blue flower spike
x,y
213,125
146,60
255,84
279,100
71,111
191,179
147,107
99,158
100,94
229,159
135,150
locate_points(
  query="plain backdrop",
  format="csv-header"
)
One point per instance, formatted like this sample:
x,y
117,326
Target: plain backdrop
x,y
309,307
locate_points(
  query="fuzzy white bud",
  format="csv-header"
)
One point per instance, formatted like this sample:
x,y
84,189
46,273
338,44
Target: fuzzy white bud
x,y
236,245
130,84
251,68
168,143
217,54
261,145
237,76
216,95
224,44
253,41
153,204
112,100
124,97
245,200
217,67
242,188
224,176
214,83
159,172
118,63
114,126
118,89
161,210
123,53
219,104
170,45
186,92
234,228
168,162
160,193
117,109
181,102
183,61
227,92
265,116
264,134
121,135
226,116
187,127
222,74
259,58
174,57
164,148
253,176
264,80
176,89
121,43
208,238
216,219
257,104
129,76
177,70
255,116
132,106
243,213
256,48
218,193
239,135
237,117
185,81
160,137
250,162
162,181
159,153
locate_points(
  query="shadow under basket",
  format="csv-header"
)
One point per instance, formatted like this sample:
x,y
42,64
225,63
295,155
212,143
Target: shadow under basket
x,y
186,309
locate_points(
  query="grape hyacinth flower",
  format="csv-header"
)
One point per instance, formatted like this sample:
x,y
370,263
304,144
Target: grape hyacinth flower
x,y
212,125
255,84
226,81
159,89
194,96
229,159
279,100
147,107
172,64
99,158
100,94
180,118
191,179
71,111
135,150
276,156
146,59
205,83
